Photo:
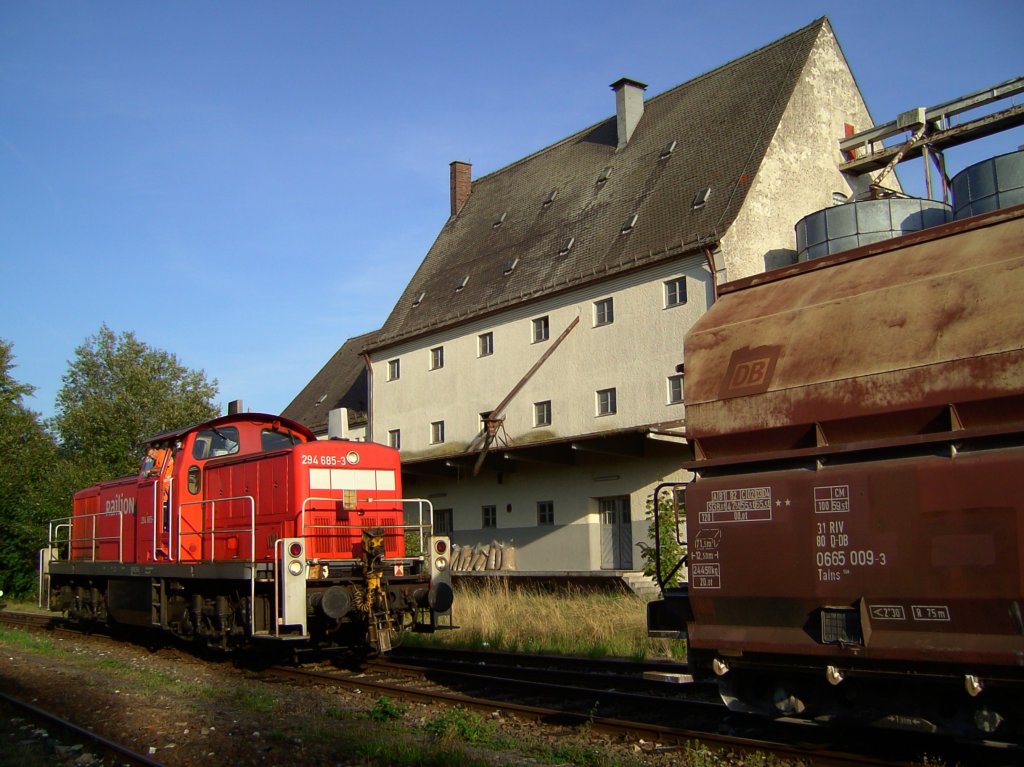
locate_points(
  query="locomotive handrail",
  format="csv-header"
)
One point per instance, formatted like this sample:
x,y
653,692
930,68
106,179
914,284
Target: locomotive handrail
x,y
418,501
213,531
92,539
156,505
662,580
52,537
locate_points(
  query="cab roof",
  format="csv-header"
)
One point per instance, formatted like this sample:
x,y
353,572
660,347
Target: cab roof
x,y
273,421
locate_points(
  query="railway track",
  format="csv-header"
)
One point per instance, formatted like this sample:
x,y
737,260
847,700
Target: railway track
x,y
671,718
616,698
53,736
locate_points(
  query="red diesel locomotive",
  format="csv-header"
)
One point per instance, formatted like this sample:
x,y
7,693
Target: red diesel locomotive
x,y
855,526
245,528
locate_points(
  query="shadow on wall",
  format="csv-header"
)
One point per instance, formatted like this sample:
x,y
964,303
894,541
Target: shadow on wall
x,y
778,258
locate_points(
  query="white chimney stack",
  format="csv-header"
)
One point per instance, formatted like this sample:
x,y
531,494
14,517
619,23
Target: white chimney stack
x,y
337,423
629,107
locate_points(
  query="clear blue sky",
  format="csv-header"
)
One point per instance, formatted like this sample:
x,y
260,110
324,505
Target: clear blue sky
x,y
248,184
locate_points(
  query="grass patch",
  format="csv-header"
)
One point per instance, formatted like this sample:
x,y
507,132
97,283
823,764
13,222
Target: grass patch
x,y
255,700
402,754
459,725
387,710
152,682
495,614
25,640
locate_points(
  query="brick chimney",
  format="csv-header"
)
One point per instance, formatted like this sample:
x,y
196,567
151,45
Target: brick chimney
x,y
629,107
462,184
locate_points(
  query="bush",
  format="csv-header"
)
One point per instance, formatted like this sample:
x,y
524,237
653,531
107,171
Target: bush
x,y
672,549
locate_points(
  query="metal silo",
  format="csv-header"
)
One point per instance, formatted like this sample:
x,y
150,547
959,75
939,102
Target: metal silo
x,y
990,184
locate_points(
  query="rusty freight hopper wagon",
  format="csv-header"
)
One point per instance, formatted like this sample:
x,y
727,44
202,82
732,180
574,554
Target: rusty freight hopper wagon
x,y
855,525
248,528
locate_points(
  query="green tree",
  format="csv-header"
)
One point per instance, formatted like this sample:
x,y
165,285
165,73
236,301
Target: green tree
x,y
671,548
117,392
28,461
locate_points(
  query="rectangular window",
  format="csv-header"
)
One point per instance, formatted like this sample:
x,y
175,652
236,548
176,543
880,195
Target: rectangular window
x,y
489,516
394,370
675,389
395,438
444,522
437,357
436,432
542,413
545,512
485,346
605,401
541,329
603,313
675,292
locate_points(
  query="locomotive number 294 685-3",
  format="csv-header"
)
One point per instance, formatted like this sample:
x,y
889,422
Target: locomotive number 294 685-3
x,y
322,460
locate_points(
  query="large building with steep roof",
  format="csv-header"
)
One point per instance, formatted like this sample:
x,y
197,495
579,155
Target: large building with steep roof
x,y
532,372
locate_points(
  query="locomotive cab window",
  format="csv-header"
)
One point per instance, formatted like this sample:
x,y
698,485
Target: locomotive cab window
x,y
275,440
212,443
195,479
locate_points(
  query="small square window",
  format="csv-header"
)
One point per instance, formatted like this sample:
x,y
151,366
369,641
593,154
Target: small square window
x,y
395,438
541,329
675,389
436,432
603,312
489,516
545,512
437,357
485,344
542,413
606,401
394,370
675,292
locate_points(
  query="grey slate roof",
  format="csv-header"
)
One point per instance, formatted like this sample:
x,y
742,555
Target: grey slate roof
x,y
722,123
342,382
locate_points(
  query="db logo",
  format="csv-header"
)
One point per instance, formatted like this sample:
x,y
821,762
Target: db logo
x,y
750,371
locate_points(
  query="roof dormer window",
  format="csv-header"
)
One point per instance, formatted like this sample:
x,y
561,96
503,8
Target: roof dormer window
x,y
499,219
551,197
510,265
605,174
668,149
419,298
567,244
462,283
701,198
630,222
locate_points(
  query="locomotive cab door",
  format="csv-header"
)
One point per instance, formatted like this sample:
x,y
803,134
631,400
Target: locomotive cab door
x,y
153,506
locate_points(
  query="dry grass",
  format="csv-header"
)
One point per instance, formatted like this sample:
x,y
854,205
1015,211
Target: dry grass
x,y
568,621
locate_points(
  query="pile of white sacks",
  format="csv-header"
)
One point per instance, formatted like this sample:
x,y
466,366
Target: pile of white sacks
x,y
482,556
